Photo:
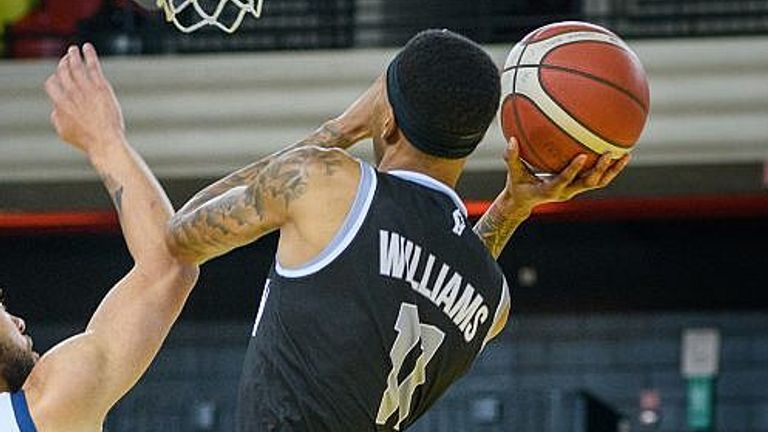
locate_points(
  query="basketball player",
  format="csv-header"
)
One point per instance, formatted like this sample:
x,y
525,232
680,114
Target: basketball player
x,y
72,387
380,296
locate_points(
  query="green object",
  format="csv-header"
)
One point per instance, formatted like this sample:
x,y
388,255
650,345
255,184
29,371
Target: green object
x,y
12,11
701,403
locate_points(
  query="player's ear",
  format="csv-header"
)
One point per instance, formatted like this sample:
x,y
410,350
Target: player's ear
x,y
390,133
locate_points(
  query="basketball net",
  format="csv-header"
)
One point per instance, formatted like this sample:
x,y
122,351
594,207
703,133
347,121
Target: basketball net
x,y
202,17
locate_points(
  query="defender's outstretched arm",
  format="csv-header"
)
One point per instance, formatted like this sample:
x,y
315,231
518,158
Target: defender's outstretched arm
x,y
77,382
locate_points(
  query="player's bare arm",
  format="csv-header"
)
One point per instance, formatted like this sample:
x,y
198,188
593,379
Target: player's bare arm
x,y
351,127
524,191
258,198
329,135
274,193
75,384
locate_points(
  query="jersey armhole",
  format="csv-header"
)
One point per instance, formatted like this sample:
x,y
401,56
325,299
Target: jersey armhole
x,y
366,190
21,412
504,303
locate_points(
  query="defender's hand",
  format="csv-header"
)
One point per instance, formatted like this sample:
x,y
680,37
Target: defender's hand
x,y
85,110
526,190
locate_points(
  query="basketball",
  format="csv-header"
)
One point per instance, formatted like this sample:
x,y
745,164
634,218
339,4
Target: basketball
x,y
573,88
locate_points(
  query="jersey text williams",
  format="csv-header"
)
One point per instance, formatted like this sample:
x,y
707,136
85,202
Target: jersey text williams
x,y
401,258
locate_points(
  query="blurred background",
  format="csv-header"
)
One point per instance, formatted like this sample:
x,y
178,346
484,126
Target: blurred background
x,y
641,307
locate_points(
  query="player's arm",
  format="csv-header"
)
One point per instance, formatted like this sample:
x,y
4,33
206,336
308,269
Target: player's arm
x,y
257,199
332,134
524,191
77,382
269,198
351,127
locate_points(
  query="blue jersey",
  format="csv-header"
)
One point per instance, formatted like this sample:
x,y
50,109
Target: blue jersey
x,y
14,413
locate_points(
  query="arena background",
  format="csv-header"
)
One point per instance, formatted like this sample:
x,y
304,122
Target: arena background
x,y
605,287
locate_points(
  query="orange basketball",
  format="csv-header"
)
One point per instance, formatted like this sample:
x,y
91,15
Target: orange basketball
x,y
573,88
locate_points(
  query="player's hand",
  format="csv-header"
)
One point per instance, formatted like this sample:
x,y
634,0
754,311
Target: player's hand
x,y
86,112
526,191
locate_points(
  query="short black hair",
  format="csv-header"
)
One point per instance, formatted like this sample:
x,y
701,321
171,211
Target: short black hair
x,y
450,83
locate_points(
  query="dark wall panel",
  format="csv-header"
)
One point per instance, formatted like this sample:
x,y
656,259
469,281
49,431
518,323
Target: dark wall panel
x,y
552,267
62,278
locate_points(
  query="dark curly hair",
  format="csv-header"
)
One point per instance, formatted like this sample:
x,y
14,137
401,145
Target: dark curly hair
x,y
451,88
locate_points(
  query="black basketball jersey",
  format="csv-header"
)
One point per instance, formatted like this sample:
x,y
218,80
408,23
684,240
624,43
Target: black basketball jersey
x,y
368,335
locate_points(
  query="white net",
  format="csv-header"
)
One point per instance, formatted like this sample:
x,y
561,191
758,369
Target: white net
x,y
191,15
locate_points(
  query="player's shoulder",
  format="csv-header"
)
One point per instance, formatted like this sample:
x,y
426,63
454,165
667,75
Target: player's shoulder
x,y
323,168
314,175
328,161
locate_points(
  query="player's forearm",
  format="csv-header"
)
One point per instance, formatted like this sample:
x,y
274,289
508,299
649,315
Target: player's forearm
x,y
141,203
216,227
500,221
213,221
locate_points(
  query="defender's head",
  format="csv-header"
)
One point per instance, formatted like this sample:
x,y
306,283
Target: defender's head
x,y
16,355
441,94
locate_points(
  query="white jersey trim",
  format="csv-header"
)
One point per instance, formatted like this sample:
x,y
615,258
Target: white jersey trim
x,y
262,305
504,303
14,413
7,416
365,191
431,183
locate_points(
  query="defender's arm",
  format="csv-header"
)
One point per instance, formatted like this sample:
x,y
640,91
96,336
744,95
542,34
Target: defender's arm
x,y
77,382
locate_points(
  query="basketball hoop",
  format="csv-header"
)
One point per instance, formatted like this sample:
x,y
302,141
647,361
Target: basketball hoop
x,y
189,15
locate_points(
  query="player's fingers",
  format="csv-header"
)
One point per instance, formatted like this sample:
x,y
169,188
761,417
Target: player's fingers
x,y
511,153
569,174
92,62
53,89
514,146
76,65
592,177
515,165
616,168
62,72
55,119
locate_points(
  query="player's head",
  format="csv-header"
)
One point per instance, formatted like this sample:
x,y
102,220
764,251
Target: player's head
x,y
16,356
442,92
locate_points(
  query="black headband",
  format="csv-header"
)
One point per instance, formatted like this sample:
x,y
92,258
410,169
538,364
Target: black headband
x,y
428,139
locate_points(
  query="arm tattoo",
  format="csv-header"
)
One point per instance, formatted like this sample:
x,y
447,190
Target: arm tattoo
x,y
115,190
495,228
241,214
328,136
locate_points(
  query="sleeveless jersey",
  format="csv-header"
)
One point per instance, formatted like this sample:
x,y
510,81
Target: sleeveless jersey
x,y
14,413
370,333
